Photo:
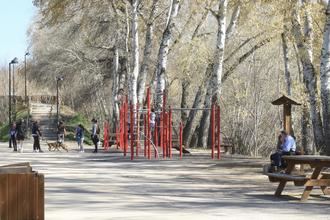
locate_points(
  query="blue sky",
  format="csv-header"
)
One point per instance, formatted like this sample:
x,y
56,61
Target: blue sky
x,y
15,18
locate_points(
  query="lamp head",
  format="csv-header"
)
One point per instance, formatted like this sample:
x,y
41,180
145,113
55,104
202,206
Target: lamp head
x,y
59,78
15,60
27,54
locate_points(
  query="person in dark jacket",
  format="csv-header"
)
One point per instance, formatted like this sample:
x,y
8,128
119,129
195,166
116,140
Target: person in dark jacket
x,y
95,134
80,137
61,132
36,134
12,136
20,135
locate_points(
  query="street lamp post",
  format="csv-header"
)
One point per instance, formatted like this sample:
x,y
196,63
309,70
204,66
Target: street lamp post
x,y
25,86
58,78
14,93
15,60
27,103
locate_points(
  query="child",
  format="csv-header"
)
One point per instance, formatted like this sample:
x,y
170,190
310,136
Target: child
x,y
80,137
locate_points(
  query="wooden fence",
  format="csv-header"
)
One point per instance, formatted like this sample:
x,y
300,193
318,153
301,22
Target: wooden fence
x,y
21,193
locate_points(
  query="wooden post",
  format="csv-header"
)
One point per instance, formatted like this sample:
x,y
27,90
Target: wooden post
x,y
287,124
287,103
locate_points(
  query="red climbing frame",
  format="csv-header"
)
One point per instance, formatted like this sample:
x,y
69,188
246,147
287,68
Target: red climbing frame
x,y
129,133
215,130
106,135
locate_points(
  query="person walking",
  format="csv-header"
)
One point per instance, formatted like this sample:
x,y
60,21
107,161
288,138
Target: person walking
x,y
12,136
20,136
95,134
61,132
36,134
80,137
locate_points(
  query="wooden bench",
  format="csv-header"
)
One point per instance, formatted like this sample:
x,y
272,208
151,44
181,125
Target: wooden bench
x,y
227,144
298,180
325,176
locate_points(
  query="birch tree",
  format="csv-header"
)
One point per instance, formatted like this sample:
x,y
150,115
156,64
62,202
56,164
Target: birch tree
x,y
163,53
219,52
135,52
309,77
286,60
325,79
147,51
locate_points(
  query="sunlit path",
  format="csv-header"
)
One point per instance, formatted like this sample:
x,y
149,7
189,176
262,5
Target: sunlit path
x,y
108,186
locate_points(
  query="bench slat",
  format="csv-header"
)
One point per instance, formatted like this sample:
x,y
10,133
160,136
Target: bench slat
x,y
277,177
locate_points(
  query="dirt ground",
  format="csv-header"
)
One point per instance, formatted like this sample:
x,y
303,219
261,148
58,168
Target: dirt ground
x,y
102,186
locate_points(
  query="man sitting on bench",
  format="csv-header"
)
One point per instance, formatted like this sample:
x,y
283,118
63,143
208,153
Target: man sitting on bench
x,y
287,147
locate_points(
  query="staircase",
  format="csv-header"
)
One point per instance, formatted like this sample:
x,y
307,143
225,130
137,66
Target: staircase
x,y
46,115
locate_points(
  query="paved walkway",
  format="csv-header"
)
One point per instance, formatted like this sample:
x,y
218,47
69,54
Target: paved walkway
x,y
84,186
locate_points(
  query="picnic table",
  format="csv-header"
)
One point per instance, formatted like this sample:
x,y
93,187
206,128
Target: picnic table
x,y
317,178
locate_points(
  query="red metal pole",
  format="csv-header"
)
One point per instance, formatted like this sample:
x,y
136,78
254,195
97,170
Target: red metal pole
x,y
162,133
145,135
148,123
156,134
121,129
125,129
212,131
132,130
218,131
164,126
137,130
170,132
165,133
180,139
105,136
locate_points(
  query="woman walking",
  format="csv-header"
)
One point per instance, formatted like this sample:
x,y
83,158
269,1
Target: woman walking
x,y
12,136
20,136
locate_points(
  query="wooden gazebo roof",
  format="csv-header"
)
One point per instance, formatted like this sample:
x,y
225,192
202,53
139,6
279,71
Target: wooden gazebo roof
x,y
285,100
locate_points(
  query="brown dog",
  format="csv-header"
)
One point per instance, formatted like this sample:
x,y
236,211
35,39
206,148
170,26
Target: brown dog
x,y
57,146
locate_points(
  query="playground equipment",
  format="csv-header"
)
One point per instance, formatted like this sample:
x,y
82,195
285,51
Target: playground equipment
x,y
154,133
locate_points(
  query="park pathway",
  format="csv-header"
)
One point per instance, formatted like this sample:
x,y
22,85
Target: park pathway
x,y
46,115
84,186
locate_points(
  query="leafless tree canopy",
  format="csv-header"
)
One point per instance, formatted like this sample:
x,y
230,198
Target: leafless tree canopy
x,y
242,54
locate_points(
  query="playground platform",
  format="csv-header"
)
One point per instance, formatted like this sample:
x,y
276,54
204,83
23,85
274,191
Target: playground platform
x,y
103,186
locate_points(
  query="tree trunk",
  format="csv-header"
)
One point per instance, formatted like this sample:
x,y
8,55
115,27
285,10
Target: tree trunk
x,y
147,52
306,133
163,53
115,88
219,52
233,21
205,120
123,77
286,61
135,51
325,80
184,102
310,81
308,29
187,131
127,49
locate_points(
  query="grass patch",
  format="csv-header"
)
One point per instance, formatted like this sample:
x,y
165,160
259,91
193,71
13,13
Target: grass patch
x,y
71,124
